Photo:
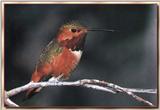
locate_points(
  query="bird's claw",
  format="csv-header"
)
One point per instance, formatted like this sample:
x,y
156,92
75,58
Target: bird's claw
x,y
55,79
59,77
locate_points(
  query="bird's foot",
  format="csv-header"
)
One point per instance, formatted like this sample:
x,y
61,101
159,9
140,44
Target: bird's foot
x,y
59,77
55,79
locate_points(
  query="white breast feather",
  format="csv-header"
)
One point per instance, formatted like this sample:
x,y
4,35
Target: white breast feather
x,y
78,54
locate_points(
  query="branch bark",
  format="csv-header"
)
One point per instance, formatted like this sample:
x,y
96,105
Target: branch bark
x,y
88,83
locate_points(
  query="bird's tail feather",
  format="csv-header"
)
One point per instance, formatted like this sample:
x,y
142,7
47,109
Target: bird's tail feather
x,y
31,92
36,77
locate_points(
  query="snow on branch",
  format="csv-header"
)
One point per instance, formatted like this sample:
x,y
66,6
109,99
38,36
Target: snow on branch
x,y
88,83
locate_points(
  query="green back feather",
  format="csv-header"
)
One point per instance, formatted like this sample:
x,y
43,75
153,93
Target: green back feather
x,y
52,49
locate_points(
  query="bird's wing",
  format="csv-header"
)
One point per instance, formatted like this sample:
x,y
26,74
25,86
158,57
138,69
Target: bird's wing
x,y
52,49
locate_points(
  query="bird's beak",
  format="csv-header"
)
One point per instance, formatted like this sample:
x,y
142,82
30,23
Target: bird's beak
x,y
107,30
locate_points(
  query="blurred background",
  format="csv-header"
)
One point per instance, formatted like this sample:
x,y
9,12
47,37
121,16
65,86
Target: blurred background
x,y
127,57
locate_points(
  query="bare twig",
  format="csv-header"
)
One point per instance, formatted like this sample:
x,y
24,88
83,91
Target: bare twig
x,y
8,102
88,83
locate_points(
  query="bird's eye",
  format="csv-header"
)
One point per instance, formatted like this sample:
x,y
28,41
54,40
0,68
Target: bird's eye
x,y
78,30
73,30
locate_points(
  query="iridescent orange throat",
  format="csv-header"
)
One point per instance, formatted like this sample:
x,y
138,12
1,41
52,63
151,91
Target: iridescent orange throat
x,y
74,43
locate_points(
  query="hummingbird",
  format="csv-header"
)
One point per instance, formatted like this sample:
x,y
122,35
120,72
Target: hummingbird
x,y
61,56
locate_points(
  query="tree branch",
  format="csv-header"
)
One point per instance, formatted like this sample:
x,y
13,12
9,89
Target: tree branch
x,y
88,83
8,102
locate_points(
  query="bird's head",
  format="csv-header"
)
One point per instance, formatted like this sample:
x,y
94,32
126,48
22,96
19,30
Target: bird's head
x,y
70,31
73,34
